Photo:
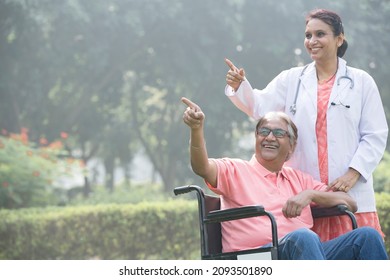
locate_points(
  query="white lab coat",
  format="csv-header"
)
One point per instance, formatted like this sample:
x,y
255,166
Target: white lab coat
x,y
357,135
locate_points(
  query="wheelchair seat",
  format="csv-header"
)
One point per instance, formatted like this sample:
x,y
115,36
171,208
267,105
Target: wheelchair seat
x,y
211,217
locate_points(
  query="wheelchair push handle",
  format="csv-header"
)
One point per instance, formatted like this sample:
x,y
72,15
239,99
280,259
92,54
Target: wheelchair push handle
x,y
186,189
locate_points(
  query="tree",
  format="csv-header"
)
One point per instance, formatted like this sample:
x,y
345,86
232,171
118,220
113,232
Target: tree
x,y
29,174
111,73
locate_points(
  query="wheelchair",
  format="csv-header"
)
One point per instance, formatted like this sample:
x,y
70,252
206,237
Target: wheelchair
x,y
211,217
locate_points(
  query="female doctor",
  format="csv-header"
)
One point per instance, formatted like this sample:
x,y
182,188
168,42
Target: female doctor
x,y
339,114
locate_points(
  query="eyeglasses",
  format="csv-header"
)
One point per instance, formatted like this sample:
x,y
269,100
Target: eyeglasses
x,y
277,132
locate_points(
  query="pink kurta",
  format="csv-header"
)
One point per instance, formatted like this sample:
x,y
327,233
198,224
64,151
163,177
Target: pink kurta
x,y
329,228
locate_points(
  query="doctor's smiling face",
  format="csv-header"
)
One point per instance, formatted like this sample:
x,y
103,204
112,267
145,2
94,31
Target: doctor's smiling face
x,y
320,41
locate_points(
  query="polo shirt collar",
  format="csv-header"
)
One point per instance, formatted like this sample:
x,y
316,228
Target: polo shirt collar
x,y
264,171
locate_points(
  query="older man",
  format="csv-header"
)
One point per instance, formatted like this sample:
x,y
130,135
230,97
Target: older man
x,y
285,192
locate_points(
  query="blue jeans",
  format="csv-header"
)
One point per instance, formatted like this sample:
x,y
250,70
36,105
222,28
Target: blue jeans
x,y
363,243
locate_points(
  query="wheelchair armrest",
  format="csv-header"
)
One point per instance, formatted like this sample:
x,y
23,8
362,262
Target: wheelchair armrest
x,y
319,212
243,212
235,214
341,209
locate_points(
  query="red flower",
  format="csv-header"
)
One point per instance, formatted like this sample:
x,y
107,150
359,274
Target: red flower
x,y
64,135
56,145
44,155
43,141
24,135
24,130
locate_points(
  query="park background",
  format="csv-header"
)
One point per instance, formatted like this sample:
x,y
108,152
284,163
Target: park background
x,y
92,141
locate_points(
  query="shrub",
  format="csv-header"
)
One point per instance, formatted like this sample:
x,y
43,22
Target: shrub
x,y
148,230
382,175
28,173
123,193
142,231
383,208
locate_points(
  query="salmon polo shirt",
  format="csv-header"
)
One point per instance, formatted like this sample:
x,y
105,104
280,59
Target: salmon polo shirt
x,y
243,183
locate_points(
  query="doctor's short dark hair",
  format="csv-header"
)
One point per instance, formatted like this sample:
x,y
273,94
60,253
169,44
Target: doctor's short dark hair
x,y
291,127
334,21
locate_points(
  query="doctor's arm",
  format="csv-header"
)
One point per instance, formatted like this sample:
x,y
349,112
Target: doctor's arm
x,y
234,76
239,90
373,130
255,102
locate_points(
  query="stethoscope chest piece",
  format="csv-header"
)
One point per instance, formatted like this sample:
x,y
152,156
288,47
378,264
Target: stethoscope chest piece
x,y
293,109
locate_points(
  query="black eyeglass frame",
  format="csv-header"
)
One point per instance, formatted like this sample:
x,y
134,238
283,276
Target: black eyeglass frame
x,y
277,132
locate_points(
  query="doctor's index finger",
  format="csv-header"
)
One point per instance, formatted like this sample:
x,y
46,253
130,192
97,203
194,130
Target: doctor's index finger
x,y
231,65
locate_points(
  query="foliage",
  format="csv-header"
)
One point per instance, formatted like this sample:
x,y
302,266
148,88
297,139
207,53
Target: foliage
x,y
122,232
383,208
124,193
148,230
29,175
111,73
382,175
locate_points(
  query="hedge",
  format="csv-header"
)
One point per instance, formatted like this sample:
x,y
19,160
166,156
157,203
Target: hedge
x,y
149,230
383,208
143,231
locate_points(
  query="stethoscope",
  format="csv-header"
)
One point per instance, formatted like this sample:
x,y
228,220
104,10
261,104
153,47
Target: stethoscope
x,y
293,107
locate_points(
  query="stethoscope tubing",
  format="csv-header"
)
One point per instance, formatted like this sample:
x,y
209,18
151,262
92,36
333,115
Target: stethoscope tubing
x,y
293,107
